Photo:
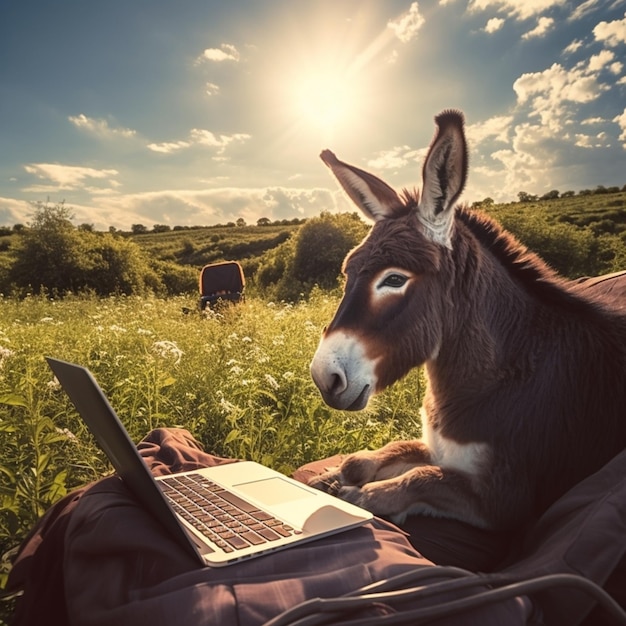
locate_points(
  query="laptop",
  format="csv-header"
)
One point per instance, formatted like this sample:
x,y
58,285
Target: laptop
x,y
220,515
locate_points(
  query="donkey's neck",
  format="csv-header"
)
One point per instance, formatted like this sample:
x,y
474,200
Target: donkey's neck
x,y
486,337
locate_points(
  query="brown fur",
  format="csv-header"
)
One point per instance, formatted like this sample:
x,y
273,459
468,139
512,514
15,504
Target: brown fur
x,y
526,374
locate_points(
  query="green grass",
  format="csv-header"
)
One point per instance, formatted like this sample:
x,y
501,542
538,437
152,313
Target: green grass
x,y
201,246
238,380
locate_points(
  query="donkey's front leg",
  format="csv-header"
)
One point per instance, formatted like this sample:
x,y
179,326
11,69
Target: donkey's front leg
x,y
427,489
366,466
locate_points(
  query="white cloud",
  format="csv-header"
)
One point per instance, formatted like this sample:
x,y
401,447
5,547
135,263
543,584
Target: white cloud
x,y
67,176
549,93
408,24
620,120
497,127
209,206
612,33
592,120
521,9
199,137
168,147
13,211
396,158
212,89
99,127
600,60
494,24
226,52
584,8
573,47
544,25
591,141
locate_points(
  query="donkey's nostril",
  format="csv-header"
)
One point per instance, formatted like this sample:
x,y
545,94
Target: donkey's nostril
x,y
337,383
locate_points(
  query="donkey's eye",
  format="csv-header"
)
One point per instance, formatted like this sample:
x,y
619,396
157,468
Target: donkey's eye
x,y
394,280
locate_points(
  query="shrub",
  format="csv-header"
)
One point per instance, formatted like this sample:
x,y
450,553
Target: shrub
x,y
313,256
53,256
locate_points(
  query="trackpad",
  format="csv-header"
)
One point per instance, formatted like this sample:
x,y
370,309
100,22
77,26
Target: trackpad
x,y
273,491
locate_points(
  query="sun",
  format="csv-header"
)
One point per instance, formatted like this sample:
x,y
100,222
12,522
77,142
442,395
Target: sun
x,y
324,100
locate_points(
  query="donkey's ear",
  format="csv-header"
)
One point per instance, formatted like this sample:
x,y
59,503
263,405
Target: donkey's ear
x,y
373,196
444,174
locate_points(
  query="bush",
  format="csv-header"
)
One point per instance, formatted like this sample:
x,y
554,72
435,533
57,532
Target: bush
x,y
53,256
572,251
176,279
313,256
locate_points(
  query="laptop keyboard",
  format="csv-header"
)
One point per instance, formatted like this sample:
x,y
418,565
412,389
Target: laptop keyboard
x,y
223,517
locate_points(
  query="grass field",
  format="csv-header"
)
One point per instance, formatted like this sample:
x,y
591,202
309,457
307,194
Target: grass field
x,y
238,380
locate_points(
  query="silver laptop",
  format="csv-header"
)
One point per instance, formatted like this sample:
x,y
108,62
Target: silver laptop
x,y
221,514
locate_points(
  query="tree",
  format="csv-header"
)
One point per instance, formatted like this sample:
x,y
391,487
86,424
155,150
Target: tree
x,y
138,229
53,256
312,256
483,204
526,197
263,221
241,222
161,228
49,255
551,195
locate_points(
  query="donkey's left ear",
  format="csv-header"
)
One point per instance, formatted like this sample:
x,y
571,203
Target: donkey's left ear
x,y
444,174
376,199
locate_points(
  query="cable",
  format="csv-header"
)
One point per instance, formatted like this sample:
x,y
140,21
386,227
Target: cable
x,y
319,611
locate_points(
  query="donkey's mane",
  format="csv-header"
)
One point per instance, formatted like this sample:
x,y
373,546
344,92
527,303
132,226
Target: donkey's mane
x,y
530,271
526,267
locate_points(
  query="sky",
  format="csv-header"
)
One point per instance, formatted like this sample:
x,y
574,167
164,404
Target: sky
x,y
199,112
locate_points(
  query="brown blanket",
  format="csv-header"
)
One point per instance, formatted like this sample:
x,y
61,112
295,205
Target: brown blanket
x,y
97,558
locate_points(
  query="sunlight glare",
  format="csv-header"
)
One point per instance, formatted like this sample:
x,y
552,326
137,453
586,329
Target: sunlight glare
x,y
323,101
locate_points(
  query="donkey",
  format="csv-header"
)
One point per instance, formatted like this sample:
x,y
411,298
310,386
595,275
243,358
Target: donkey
x,y
526,373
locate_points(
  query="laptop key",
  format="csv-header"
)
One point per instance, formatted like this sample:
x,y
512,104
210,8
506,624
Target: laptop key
x,y
253,538
240,503
237,542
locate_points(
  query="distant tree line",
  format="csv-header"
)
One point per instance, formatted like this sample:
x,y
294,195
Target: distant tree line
x,y
141,229
54,257
554,194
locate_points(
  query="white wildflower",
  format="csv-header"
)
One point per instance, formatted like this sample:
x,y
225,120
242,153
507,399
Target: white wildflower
x,y
228,407
68,433
53,385
117,329
246,340
167,349
235,369
5,353
271,381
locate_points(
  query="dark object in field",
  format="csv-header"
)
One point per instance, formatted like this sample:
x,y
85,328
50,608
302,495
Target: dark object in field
x,y
221,281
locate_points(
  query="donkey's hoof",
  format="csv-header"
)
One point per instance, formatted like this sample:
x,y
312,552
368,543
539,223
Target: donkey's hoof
x,y
326,482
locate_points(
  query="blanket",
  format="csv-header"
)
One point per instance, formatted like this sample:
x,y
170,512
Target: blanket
x,y
97,558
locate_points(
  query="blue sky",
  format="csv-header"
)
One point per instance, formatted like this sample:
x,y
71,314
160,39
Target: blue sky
x,y
201,112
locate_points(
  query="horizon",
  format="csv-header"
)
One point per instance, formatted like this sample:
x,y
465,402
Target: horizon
x,y
204,112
